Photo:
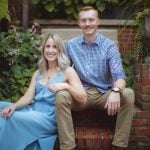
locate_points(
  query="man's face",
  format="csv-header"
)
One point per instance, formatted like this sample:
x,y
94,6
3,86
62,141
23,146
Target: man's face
x,y
88,22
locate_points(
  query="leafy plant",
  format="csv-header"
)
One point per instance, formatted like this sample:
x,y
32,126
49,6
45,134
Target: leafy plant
x,y
69,8
139,20
129,68
4,12
19,52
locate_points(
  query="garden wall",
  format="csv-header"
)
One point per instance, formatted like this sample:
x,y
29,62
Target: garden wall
x,y
140,133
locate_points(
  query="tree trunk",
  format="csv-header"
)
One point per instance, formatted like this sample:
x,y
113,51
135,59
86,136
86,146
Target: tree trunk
x,y
25,16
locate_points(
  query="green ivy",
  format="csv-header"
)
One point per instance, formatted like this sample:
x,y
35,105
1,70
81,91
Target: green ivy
x,y
69,8
19,53
129,68
139,20
4,12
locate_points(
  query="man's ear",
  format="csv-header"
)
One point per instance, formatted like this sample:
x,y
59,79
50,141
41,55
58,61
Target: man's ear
x,y
99,21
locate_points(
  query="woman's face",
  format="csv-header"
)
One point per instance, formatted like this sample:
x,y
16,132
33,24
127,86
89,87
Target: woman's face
x,y
51,51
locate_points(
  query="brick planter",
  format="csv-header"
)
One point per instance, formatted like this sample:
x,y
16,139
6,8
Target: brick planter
x,y
140,132
143,86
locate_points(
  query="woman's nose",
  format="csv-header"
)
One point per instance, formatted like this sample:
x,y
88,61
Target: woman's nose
x,y
50,49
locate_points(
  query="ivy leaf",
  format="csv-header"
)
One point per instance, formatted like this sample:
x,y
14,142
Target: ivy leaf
x,y
75,14
100,6
69,10
4,12
58,1
90,1
49,7
86,1
34,2
22,82
114,1
67,2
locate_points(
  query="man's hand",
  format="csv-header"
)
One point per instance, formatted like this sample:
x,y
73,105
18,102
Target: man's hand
x,y
113,103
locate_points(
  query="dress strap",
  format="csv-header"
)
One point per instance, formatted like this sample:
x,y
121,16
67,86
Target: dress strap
x,y
38,76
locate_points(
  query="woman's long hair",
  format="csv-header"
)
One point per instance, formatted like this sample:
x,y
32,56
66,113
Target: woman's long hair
x,y
63,61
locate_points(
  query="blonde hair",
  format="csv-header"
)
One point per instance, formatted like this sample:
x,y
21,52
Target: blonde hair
x,y
87,8
63,61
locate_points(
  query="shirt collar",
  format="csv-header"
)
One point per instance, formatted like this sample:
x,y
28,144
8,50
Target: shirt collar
x,y
96,41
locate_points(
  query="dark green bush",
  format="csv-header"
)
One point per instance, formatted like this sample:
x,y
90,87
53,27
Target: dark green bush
x,y
69,9
129,68
19,53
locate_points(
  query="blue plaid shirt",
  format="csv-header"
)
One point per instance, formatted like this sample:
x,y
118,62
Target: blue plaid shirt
x,y
98,63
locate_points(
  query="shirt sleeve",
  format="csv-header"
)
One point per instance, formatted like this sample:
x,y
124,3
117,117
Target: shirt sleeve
x,y
67,52
115,62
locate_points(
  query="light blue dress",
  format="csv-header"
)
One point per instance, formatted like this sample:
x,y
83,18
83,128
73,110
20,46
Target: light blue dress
x,y
33,127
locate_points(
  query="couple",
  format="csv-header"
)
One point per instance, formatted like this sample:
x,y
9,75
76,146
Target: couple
x,y
56,89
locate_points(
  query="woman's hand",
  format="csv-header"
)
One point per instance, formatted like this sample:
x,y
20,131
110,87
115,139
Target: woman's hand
x,y
58,87
7,112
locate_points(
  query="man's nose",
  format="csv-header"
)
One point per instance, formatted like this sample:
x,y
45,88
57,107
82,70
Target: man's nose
x,y
87,22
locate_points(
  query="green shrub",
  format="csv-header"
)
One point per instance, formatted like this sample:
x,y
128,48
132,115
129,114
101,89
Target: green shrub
x,y
129,68
19,53
68,8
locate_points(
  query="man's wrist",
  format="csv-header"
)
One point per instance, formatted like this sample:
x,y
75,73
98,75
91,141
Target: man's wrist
x,y
117,90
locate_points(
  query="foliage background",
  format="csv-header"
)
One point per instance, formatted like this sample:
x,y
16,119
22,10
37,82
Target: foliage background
x,y
68,9
19,50
19,53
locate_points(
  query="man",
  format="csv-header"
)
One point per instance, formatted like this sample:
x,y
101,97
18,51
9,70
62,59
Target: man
x,y
99,66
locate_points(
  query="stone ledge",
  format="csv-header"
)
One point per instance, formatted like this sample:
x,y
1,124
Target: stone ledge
x,y
69,33
103,22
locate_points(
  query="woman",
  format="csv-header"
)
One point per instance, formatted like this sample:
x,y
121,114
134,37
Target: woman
x,y
28,126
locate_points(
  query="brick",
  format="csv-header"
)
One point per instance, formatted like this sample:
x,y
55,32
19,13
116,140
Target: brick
x,y
89,138
146,97
132,145
139,122
142,97
139,138
148,123
144,81
143,105
80,135
143,146
126,40
139,114
143,89
137,69
142,131
145,72
96,139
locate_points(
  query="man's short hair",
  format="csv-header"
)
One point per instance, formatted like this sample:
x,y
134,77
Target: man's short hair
x,y
87,8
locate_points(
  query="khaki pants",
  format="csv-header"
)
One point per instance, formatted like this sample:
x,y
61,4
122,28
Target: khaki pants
x,y
95,99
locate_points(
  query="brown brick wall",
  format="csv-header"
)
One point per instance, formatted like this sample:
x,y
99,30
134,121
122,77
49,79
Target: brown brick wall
x,y
126,38
140,132
143,86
